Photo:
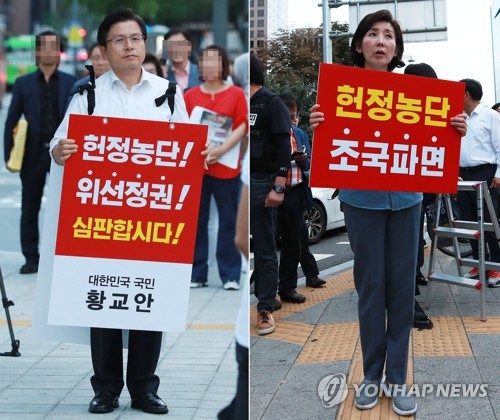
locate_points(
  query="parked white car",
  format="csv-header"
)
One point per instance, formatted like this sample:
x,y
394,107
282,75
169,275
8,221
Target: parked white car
x,y
324,215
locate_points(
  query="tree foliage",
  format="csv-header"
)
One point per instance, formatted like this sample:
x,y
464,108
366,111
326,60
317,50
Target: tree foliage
x,y
292,59
170,13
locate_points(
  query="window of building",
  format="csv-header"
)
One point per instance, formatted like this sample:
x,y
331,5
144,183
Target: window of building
x,y
260,3
251,23
260,23
251,13
260,43
251,44
251,34
251,3
260,13
260,33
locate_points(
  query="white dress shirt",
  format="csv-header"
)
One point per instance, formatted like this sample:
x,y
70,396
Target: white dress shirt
x,y
481,144
113,99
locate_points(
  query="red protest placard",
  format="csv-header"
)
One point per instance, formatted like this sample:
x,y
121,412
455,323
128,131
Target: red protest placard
x,y
386,131
132,190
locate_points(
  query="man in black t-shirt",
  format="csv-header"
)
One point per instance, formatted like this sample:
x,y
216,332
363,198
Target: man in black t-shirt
x,y
269,162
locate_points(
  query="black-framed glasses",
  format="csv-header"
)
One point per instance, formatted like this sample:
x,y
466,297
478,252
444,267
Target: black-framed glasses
x,y
122,39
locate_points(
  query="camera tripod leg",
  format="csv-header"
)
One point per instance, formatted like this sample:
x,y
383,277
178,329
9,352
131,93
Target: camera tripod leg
x,y
6,303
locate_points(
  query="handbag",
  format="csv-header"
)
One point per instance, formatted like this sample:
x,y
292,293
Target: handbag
x,y
15,162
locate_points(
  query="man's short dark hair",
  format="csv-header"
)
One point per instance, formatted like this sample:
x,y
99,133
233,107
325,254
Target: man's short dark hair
x,y
175,31
474,88
289,100
496,106
365,25
421,69
119,15
256,70
38,39
151,58
224,58
91,48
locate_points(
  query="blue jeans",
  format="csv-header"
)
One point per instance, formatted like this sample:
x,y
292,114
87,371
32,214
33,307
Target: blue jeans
x,y
263,230
226,194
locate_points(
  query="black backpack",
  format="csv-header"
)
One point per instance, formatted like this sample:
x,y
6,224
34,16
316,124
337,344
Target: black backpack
x,y
169,94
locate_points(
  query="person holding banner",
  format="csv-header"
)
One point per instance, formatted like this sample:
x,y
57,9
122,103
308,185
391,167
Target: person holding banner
x,y
223,107
125,91
383,229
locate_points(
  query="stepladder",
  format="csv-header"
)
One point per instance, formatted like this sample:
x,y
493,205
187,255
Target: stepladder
x,y
469,230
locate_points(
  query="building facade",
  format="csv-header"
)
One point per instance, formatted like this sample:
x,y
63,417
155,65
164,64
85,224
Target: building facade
x,y
266,18
495,41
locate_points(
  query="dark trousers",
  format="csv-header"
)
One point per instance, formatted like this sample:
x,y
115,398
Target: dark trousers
x,y
226,193
467,203
33,181
384,244
291,216
107,360
307,260
238,409
421,243
263,230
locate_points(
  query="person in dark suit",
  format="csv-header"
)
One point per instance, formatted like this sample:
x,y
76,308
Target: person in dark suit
x,y
41,96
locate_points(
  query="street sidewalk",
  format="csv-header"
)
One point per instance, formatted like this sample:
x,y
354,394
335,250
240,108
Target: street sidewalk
x,y
197,369
321,337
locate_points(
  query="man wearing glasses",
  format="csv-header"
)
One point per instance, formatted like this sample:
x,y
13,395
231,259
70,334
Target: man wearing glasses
x,y
127,92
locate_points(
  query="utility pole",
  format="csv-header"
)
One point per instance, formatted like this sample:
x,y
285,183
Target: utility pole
x,y
219,22
327,43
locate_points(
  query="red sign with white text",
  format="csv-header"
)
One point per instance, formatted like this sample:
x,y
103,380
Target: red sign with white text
x,y
386,131
132,190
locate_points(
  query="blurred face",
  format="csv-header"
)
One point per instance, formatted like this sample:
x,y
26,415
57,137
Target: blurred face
x,y
101,64
294,115
178,48
378,46
125,47
49,50
210,65
150,68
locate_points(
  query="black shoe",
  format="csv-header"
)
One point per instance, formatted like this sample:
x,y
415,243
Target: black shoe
x,y
315,282
421,280
291,295
420,319
29,268
103,402
150,402
276,304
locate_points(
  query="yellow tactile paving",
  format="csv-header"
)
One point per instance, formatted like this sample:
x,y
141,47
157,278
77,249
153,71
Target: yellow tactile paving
x,y
446,338
330,343
383,410
291,332
17,322
335,285
476,326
